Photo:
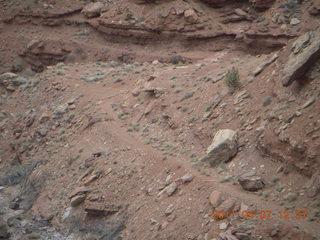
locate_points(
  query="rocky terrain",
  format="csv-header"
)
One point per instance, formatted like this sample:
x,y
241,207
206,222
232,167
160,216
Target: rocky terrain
x,y
170,119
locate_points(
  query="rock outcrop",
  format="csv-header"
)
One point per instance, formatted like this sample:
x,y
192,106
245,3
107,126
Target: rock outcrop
x,y
305,50
40,54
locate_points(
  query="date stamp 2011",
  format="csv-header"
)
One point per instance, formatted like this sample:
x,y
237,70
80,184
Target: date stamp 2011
x,y
263,214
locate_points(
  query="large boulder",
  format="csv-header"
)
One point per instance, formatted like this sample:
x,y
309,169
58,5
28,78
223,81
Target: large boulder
x,y
305,51
93,9
251,183
223,147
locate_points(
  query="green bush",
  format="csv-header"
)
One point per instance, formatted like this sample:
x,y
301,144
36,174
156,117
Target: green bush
x,y
232,79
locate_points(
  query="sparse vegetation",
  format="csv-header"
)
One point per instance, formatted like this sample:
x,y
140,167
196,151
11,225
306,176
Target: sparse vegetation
x,y
232,79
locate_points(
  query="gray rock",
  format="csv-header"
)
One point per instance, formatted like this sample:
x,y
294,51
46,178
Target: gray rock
x,y
93,78
265,64
169,209
44,118
77,200
294,21
60,110
185,178
290,197
306,50
223,148
171,188
223,226
308,103
251,183
42,132
313,186
266,101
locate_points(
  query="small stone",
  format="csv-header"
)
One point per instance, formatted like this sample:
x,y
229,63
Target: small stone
x,y
79,190
186,178
308,103
77,200
266,101
169,209
44,118
243,208
135,92
280,169
191,16
227,205
215,198
42,132
60,110
294,21
223,226
171,188
163,225
153,221
99,209
290,197
240,12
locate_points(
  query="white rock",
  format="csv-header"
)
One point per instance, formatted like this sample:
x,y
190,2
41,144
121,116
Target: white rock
x,y
223,148
93,9
223,226
294,21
